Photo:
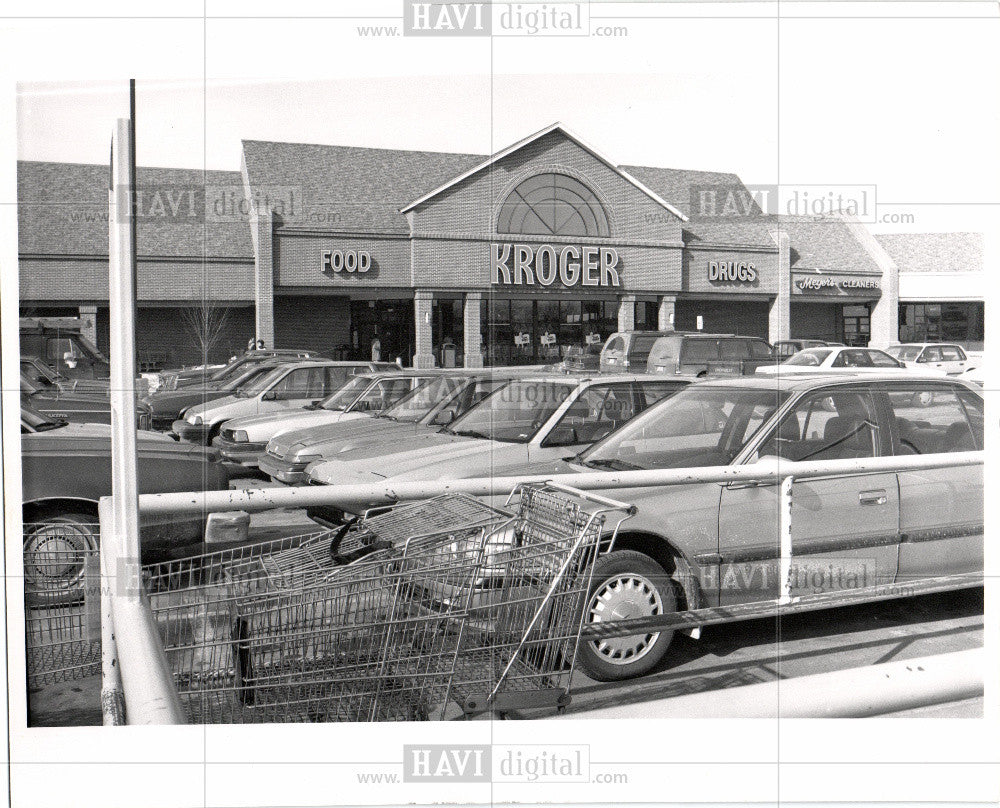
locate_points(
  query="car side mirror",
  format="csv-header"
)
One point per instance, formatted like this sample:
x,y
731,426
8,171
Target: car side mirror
x,y
562,436
444,417
921,359
270,395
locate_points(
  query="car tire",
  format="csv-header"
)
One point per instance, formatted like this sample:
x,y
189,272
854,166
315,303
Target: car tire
x,y
626,584
55,548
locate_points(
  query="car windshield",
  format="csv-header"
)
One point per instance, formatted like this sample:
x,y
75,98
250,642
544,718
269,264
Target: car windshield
x,y
699,426
260,383
417,404
811,357
228,370
244,378
347,394
904,353
515,412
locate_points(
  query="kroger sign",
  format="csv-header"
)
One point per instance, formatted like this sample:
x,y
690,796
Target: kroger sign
x,y
547,264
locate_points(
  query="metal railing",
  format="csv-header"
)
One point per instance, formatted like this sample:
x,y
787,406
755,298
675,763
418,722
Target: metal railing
x,y
137,669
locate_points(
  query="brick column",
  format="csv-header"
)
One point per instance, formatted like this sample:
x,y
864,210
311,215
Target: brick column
x,y
779,316
626,313
88,322
422,305
262,227
665,315
472,336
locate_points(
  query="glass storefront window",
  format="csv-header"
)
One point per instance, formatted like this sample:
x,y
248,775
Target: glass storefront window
x,y
936,322
646,316
571,321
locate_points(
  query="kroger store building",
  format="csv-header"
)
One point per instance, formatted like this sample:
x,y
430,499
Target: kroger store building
x,y
509,258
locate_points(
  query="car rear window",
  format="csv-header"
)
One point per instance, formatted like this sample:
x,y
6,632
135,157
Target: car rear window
x,y
642,344
813,357
733,349
699,350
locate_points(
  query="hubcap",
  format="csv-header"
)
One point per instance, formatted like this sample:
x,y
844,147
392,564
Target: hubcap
x,y
53,557
625,597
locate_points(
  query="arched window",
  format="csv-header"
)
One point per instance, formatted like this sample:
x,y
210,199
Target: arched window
x,y
553,204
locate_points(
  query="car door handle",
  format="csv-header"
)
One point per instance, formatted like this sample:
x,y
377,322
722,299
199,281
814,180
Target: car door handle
x,y
874,497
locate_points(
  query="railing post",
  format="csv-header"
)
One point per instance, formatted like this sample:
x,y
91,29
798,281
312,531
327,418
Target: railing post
x,y
785,539
112,693
91,596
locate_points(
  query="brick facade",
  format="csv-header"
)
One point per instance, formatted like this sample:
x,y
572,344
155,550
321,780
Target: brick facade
x,y
319,208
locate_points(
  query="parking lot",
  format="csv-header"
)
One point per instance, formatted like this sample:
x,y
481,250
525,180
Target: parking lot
x,y
703,496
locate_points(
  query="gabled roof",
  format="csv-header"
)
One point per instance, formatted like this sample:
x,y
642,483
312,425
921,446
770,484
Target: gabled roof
x,y
826,245
934,252
677,185
555,127
348,187
63,210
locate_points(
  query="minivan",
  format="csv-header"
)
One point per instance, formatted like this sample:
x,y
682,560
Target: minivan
x,y
694,354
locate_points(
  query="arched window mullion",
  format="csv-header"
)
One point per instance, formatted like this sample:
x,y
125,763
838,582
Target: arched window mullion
x,y
549,194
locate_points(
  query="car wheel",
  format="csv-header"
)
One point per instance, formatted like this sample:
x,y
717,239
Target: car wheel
x,y
626,584
924,399
55,550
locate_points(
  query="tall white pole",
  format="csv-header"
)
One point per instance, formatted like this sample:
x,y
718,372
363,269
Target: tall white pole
x,y
121,250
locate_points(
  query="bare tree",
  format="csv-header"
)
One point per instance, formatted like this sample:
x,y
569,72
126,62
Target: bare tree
x,y
204,324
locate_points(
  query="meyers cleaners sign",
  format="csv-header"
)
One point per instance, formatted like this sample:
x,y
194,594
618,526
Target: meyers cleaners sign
x,y
547,264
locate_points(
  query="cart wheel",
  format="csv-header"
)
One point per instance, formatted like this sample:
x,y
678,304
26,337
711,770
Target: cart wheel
x,y
626,584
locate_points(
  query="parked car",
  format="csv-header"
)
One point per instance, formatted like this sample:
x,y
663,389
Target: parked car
x,y
172,380
66,469
93,407
628,351
528,421
286,387
836,360
709,544
785,348
696,355
45,376
946,357
59,342
581,359
437,403
244,440
976,376
171,405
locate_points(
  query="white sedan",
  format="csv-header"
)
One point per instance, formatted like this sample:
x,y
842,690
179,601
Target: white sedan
x,y
832,359
946,357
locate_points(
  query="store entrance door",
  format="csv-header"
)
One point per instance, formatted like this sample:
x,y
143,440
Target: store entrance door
x,y
856,323
388,321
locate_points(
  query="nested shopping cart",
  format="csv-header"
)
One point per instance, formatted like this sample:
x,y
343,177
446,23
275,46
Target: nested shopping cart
x,y
423,611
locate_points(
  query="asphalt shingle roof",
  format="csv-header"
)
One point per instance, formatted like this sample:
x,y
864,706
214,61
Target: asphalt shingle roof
x,y
827,245
676,186
348,187
63,210
934,252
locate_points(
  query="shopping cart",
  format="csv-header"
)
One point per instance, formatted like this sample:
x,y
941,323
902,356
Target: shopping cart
x,y
397,617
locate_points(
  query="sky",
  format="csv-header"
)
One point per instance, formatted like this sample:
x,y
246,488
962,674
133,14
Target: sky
x,y
718,96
